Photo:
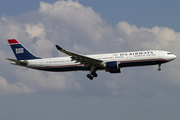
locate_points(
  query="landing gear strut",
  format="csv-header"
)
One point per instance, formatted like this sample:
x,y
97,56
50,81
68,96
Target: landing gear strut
x,y
159,67
92,73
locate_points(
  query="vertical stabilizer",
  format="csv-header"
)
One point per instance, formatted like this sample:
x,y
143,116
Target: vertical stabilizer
x,y
20,51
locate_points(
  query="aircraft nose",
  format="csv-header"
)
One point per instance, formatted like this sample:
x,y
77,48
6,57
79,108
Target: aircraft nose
x,y
174,56
171,57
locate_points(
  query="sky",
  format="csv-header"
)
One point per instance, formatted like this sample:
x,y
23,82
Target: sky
x,y
90,27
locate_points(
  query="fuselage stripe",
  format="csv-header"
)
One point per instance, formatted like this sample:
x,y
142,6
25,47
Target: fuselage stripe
x,y
143,60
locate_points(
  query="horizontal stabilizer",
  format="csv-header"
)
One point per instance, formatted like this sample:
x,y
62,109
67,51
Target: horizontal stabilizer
x,y
17,62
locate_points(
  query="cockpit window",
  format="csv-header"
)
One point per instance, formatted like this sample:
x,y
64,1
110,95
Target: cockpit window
x,y
169,53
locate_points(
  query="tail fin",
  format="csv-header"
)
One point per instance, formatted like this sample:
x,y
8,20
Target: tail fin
x,y
20,51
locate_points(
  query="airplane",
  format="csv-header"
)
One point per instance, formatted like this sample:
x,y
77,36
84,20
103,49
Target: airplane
x,y
110,62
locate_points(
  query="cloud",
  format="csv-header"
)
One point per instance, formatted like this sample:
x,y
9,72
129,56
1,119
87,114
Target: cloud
x,y
145,38
6,88
34,30
80,29
51,81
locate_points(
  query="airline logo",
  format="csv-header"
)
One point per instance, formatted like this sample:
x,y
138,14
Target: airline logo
x,y
138,53
19,50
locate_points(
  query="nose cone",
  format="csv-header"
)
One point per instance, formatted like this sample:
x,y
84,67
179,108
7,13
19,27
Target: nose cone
x,y
170,57
174,57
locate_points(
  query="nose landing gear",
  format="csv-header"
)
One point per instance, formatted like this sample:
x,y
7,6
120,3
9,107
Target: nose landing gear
x,y
159,67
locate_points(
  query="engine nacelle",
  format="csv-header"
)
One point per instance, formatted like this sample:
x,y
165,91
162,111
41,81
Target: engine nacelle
x,y
111,65
114,70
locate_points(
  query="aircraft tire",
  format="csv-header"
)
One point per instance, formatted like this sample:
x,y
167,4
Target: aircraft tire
x,y
89,76
95,75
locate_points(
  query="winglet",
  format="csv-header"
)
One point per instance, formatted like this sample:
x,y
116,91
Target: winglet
x,y
59,48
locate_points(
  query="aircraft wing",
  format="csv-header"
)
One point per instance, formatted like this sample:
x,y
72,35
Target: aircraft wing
x,y
80,58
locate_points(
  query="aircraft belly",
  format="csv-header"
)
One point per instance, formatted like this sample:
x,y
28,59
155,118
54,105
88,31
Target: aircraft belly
x,y
141,63
64,69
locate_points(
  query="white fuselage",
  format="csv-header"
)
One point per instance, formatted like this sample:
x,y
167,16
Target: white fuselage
x,y
125,59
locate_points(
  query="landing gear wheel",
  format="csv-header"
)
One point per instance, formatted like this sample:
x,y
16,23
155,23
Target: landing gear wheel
x,y
89,76
94,74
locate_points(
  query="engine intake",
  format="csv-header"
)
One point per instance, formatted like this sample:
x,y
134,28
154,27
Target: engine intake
x,y
112,65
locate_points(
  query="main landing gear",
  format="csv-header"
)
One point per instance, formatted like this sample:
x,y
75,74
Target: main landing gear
x,y
159,68
92,73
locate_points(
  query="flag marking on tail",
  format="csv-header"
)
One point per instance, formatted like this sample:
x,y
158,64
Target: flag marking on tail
x,y
19,50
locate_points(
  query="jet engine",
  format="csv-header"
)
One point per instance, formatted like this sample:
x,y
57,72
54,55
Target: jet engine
x,y
112,67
